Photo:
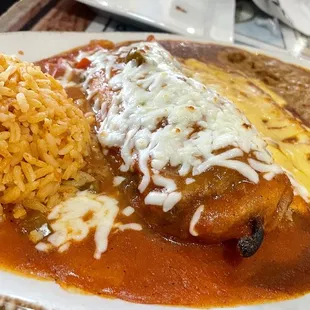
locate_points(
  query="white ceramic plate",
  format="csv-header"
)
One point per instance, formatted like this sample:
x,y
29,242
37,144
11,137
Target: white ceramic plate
x,y
208,19
48,294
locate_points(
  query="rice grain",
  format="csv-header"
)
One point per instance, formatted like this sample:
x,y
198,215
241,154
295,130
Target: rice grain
x,y
44,138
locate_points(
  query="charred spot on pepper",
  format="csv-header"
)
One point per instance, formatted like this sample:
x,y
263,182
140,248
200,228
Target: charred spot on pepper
x,y
249,245
137,55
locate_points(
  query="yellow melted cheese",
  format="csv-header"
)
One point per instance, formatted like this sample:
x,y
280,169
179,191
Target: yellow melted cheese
x,y
288,139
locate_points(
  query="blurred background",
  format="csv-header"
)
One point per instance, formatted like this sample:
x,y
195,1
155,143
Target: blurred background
x,y
5,4
267,24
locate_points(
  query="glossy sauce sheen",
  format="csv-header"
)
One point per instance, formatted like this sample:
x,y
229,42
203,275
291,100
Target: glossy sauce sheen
x,y
144,267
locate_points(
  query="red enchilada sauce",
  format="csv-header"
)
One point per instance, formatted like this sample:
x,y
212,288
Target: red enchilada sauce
x,y
146,268
143,267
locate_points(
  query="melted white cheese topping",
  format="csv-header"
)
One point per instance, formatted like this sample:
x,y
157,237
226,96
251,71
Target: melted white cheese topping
x,y
189,181
66,79
132,226
161,181
128,211
195,219
73,219
118,180
160,117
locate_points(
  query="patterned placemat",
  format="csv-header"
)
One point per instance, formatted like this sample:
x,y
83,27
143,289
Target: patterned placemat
x,y
7,303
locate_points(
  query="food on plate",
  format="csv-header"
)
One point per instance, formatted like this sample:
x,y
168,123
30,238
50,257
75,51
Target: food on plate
x,y
165,128
288,139
44,138
180,181
291,85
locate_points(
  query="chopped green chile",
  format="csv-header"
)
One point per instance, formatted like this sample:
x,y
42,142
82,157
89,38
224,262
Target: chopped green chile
x,y
136,55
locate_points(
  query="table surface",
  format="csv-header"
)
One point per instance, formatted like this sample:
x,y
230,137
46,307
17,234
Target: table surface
x,y
252,26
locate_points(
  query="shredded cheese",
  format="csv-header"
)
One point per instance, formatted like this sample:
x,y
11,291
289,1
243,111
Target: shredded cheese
x,y
189,181
132,226
118,180
158,117
171,201
66,79
43,247
128,211
72,220
161,181
195,219
155,198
